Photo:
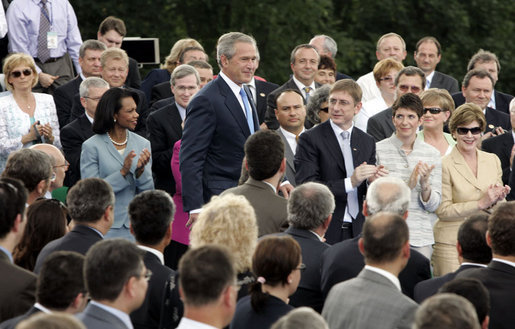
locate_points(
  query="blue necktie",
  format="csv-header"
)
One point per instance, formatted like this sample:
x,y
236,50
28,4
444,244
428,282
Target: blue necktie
x,y
352,196
248,110
307,90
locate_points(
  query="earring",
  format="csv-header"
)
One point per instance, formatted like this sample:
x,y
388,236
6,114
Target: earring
x,y
289,281
115,120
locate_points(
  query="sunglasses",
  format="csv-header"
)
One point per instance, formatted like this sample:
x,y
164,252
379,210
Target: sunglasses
x,y
405,88
18,74
325,109
465,131
432,110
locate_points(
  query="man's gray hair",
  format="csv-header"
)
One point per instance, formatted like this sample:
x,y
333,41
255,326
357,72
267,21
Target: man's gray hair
x,y
446,311
225,45
309,205
182,71
91,82
88,199
389,194
91,45
329,44
301,318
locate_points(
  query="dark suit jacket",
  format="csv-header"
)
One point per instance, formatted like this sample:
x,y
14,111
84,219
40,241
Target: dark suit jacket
x,y
319,158
502,101
172,307
160,91
164,129
17,289
428,288
149,313
154,77
270,208
12,323
334,270
161,103
80,239
380,126
214,134
133,77
499,279
445,81
263,89
290,160
72,136
340,76
308,292
95,317
63,98
270,119
511,182
501,146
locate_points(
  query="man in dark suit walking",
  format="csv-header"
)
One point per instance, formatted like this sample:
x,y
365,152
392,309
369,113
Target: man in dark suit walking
x,y
337,154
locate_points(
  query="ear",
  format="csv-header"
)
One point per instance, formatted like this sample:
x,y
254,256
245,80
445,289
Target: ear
x,y
246,163
83,102
463,90
447,115
129,286
327,222
486,322
377,56
438,58
17,227
406,251
78,302
488,239
405,216
131,229
357,108
365,208
283,166
361,246
275,111
107,213
99,35
458,248
42,187
292,65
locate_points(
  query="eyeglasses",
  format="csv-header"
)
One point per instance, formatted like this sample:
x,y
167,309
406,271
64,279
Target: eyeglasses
x,y
66,165
25,72
387,79
406,88
432,110
93,98
301,267
324,109
183,88
465,131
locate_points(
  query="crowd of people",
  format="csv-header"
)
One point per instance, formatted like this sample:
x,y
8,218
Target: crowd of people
x,y
195,200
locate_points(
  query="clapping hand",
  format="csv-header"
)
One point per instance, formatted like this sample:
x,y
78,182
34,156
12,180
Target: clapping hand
x,y
144,158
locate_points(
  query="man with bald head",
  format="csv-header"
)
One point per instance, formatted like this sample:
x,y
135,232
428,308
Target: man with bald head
x,y
59,166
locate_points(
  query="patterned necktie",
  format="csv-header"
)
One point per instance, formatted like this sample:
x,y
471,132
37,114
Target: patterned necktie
x,y
352,197
248,110
307,90
44,28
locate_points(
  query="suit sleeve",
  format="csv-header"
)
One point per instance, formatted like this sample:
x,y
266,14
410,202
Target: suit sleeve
x,y
145,181
63,107
374,129
141,127
454,87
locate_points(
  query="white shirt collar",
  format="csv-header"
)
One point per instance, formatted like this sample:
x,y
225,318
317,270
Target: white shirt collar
x,y
388,275
430,78
155,252
473,264
271,186
124,317
291,138
491,103
42,308
192,324
89,118
301,86
234,87
338,131
318,236
182,111
507,262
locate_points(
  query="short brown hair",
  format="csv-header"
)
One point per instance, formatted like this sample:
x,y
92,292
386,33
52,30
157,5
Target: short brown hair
x,y
466,114
501,228
409,101
384,66
15,60
327,63
440,97
112,23
480,74
349,86
430,39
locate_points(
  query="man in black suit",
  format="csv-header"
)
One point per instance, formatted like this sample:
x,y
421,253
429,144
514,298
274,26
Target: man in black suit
x,y
91,207
325,154
409,80
502,146
325,45
473,252
489,62
164,125
304,61
310,209
389,194
428,54
89,61
151,214
499,276
259,91
79,130
60,287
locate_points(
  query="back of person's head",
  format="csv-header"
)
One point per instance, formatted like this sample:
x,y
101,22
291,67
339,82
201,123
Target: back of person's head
x,y
151,213
389,194
301,318
275,258
109,265
108,106
474,291
60,280
204,273
309,205
384,235
446,311
44,320
472,239
88,200
264,151
409,101
29,166
13,196
501,229
228,220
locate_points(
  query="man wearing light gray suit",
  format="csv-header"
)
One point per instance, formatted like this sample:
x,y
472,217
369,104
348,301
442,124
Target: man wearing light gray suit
x,y
374,298
290,111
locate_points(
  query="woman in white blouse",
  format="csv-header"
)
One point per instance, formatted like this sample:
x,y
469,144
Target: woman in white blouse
x,y
26,118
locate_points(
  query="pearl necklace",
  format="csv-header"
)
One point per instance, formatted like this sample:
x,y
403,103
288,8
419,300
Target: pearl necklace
x,y
119,144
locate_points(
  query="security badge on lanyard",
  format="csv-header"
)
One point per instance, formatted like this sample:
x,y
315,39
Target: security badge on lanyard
x,y
51,38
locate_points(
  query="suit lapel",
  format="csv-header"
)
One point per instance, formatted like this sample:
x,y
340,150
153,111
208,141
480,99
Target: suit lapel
x,y
333,145
463,169
233,105
85,127
354,144
175,120
288,153
114,152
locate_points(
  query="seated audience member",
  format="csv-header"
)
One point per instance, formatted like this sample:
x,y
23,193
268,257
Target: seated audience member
x,y
473,252
90,205
418,164
310,209
33,168
385,73
117,280
277,264
46,221
326,73
59,166
499,276
79,130
438,108
17,285
208,287
317,108
503,147
374,299
384,194
446,311
60,287
264,156
301,318
229,221
475,292
326,46
51,321
151,214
